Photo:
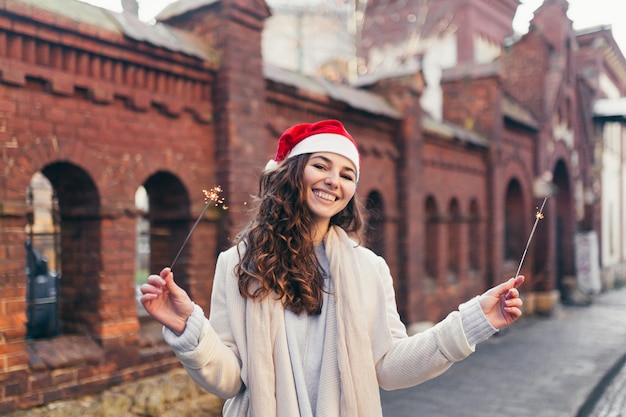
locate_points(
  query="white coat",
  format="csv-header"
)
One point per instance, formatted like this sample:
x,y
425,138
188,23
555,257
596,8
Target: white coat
x,y
242,353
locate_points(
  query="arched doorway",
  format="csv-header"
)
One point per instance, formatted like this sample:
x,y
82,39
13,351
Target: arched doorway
x,y
565,227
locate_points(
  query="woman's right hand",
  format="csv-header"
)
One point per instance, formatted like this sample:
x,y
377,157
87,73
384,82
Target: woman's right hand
x,y
166,302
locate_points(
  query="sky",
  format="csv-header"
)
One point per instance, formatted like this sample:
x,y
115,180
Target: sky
x,y
584,14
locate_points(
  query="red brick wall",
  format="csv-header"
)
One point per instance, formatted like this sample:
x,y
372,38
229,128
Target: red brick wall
x,y
473,103
99,121
452,173
523,67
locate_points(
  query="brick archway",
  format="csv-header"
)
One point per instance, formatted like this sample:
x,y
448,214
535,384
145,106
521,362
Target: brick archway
x,y
80,246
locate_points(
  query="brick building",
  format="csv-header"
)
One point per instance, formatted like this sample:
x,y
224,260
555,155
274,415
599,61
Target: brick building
x,y
103,109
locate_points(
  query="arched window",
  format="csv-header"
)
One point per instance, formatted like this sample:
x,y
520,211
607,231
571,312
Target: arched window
x,y
514,233
454,240
76,217
375,229
42,259
169,222
431,239
475,240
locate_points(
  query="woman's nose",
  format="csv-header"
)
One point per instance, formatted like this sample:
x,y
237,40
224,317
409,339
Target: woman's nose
x,y
332,179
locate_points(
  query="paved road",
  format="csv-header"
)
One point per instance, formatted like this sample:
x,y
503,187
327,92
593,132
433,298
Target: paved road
x,y
540,367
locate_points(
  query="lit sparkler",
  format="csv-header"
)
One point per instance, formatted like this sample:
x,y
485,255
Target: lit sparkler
x,y
538,217
210,196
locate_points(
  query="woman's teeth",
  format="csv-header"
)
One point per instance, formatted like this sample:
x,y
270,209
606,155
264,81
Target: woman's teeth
x,y
325,196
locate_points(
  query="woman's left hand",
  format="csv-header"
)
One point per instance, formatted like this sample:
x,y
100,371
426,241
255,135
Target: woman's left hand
x,y
502,304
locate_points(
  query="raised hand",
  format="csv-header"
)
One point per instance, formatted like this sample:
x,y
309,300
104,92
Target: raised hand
x,y
502,304
166,302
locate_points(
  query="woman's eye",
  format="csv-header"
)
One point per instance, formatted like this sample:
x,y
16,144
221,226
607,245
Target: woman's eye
x,y
319,166
347,177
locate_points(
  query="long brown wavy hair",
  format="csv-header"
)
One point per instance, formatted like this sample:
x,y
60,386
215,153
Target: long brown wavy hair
x,y
279,255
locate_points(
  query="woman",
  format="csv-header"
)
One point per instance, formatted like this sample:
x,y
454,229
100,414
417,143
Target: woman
x,y
303,319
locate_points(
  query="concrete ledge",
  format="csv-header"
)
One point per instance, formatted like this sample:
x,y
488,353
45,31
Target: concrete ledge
x,y
173,394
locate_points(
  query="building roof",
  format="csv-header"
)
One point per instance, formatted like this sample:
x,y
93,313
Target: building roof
x,y
180,7
513,110
601,38
126,24
452,132
355,98
163,36
371,79
72,9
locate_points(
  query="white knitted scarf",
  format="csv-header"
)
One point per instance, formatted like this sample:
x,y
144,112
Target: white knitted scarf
x,y
356,370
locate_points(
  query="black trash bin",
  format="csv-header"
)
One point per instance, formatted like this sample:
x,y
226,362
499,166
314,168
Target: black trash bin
x,y
42,296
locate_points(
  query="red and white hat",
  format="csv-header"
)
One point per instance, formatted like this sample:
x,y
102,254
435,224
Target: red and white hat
x,y
322,136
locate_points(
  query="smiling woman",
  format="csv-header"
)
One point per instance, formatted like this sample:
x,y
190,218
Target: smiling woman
x,y
303,317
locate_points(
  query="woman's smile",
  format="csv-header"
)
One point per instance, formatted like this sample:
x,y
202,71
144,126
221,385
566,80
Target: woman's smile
x,y
325,196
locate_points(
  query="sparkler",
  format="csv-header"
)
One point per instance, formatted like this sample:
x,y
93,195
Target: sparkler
x,y
538,217
210,196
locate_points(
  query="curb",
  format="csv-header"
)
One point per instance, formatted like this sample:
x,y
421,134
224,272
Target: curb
x,y
596,394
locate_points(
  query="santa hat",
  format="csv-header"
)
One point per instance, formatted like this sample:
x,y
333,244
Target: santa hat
x,y
322,136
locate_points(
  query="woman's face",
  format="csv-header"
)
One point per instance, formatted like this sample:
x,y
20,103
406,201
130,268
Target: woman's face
x,y
330,182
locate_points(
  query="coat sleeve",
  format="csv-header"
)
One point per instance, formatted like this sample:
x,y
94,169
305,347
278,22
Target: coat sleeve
x,y
407,361
215,363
